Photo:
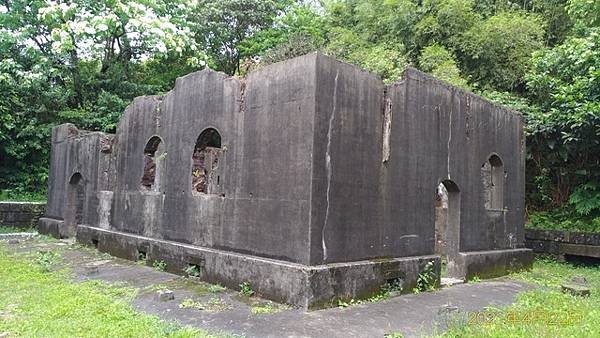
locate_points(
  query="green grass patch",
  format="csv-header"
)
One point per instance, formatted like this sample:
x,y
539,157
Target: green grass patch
x,y
37,303
215,304
9,230
199,288
267,307
543,312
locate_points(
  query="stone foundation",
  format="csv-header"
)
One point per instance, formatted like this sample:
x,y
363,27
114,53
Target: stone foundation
x,y
22,215
308,287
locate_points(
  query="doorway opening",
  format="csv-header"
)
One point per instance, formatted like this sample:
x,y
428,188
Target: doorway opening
x,y
447,227
75,204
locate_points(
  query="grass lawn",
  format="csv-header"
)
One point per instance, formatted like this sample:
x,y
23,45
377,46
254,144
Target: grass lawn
x,y
10,230
36,302
544,312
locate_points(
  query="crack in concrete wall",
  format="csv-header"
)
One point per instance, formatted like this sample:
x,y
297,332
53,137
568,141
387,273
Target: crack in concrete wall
x,y
387,127
328,164
449,141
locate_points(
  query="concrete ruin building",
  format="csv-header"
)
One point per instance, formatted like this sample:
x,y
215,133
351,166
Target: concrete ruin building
x,y
310,179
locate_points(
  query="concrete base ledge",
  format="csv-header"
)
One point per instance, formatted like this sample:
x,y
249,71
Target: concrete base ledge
x,y
52,227
495,263
305,286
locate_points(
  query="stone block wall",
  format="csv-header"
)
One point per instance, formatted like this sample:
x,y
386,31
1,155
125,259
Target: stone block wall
x,y
560,243
24,215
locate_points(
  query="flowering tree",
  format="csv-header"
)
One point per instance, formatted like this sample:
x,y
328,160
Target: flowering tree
x,y
81,61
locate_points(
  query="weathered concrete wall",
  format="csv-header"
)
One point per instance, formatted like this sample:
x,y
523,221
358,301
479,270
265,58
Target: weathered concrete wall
x,y
314,150
368,206
346,213
265,173
442,133
24,215
318,165
77,152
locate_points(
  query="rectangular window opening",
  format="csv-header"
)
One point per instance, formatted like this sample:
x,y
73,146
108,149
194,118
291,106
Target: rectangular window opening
x,y
142,255
193,270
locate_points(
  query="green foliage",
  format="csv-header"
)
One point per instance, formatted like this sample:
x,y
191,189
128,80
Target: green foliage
x,y
221,26
299,31
246,289
438,61
25,128
564,137
445,23
394,335
564,219
427,279
341,303
46,259
216,288
585,12
80,61
212,305
372,34
387,290
193,270
474,279
496,52
374,21
511,100
297,44
267,307
18,195
386,60
159,265
10,230
586,199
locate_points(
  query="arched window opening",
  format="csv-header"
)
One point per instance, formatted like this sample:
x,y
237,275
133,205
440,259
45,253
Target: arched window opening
x,y
447,227
153,159
205,163
493,178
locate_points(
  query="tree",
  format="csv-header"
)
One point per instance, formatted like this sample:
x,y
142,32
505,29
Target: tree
x,y
222,26
496,52
26,110
78,61
372,34
585,12
299,31
564,137
438,61
445,23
